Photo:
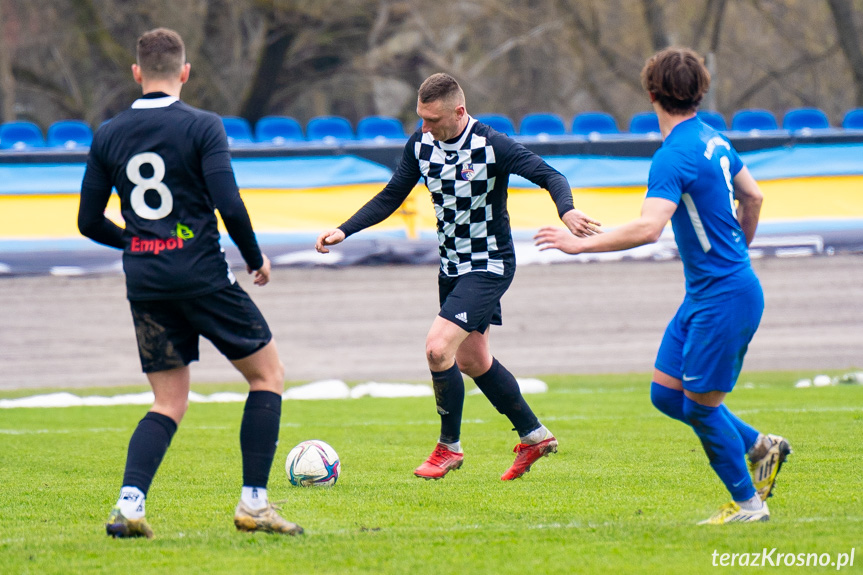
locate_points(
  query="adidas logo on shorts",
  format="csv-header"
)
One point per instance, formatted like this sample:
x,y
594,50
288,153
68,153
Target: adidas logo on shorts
x,y
462,317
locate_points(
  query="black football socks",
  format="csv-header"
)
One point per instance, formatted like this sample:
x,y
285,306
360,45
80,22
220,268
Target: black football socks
x,y
501,389
259,435
449,396
147,447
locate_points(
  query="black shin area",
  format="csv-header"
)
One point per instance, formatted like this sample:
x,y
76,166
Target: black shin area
x,y
501,389
147,447
449,396
259,435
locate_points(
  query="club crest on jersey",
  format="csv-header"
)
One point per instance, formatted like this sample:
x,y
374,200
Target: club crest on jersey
x,y
467,172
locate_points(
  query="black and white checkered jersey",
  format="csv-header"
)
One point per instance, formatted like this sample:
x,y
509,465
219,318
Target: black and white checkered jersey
x,y
467,178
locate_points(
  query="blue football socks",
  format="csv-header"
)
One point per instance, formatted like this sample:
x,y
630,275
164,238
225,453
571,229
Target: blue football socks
x,y
723,445
748,433
668,401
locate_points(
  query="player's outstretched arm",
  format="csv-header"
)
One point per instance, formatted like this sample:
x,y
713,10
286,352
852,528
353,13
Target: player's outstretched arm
x,y
655,213
262,274
380,207
580,224
329,238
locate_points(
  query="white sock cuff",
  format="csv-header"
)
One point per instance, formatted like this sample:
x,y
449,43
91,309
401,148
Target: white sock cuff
x,y
454,447
752,504
540,434
131,502
254,497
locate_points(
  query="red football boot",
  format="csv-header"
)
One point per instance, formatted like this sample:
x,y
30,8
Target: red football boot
x,y
439,463
526,455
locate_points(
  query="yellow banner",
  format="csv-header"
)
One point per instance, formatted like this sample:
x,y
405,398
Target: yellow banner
x,y
314,210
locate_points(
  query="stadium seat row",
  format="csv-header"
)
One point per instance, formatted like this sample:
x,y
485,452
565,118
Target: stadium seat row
x,y
63,134
279,130
282,130
588,123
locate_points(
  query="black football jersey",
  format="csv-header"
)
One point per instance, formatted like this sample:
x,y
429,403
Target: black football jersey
x,y
157,155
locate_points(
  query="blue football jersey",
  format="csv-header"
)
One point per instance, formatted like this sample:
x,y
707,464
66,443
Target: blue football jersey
x,y
695,168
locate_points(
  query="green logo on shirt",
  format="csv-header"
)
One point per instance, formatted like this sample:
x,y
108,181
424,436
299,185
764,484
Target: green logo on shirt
x,y
184,232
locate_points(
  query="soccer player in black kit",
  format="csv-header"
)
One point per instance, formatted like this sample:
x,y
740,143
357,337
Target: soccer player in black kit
x,y
466,165
171,167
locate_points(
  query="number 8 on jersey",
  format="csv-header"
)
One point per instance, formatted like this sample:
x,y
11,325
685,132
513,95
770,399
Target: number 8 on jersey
x,y
154,182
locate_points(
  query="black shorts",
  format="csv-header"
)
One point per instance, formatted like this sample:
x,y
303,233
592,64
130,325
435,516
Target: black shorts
x,y
472,301
168,330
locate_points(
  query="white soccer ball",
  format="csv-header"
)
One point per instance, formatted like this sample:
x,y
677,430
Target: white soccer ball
x,y
313,463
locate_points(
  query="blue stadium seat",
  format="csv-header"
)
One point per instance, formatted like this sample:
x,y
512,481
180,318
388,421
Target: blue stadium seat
x,y
853,119
753,119
278,130
542,124
380,128
588,123
238,130
329,128
713,119
805,118
499,122
70,134
644,123
20,136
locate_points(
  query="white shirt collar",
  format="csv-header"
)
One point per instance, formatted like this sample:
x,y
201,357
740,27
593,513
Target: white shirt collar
x,y
149,103
457,145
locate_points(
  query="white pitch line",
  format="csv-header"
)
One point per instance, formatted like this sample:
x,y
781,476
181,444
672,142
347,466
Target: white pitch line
x,y
41,431
841,409
475,527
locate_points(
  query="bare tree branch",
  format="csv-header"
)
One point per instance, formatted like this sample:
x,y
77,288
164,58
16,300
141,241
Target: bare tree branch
x,y
510,44
779,74
849,39
7,78
655,19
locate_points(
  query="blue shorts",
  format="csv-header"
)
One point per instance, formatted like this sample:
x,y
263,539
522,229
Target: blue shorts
x,y
705,342
472,301
168,330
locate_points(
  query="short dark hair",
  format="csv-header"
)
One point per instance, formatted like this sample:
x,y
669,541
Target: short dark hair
x,y
677,78
440,86
161,53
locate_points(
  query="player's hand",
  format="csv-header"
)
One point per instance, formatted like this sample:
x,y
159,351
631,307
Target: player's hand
x,y
580,224
262,274
549,238
329,238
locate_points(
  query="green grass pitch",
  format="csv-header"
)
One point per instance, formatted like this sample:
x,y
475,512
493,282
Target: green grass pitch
x,y
622,495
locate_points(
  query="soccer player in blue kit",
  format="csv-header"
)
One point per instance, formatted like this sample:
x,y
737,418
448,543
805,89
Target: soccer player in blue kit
x,y
466,165
694,180
171,167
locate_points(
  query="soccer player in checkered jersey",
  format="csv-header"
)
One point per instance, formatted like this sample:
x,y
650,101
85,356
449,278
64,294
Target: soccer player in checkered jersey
x,y
466,166
694,180
171,167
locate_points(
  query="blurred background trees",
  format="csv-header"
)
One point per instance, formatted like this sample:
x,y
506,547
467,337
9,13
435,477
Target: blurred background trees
x,y
71,58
